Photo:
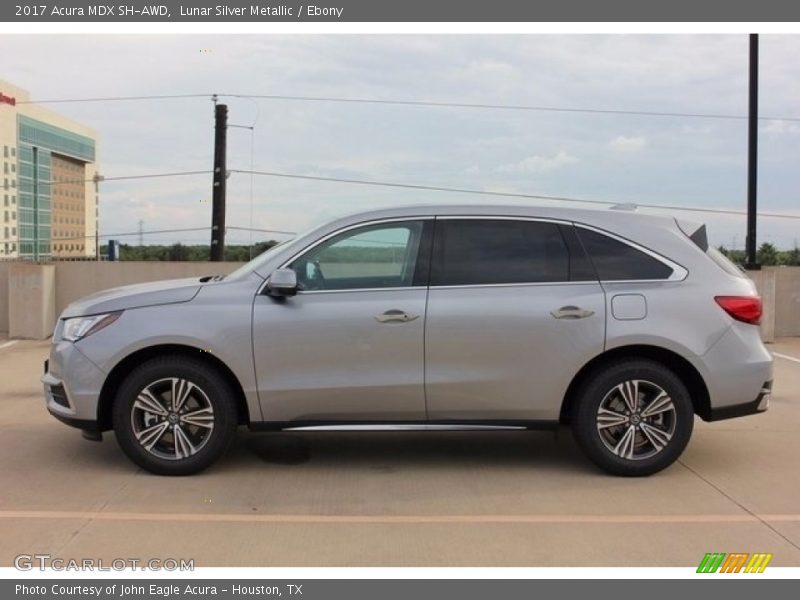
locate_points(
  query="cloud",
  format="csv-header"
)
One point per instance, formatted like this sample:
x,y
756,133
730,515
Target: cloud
x,y
538,164
699,161
623,143
781,128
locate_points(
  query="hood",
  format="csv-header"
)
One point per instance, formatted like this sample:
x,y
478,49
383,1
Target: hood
x,y
135,296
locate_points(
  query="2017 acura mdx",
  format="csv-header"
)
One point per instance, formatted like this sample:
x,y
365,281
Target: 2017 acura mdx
x,y
622,325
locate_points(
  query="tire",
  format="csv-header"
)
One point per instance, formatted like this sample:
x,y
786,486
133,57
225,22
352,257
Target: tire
x,y
166,441
629,441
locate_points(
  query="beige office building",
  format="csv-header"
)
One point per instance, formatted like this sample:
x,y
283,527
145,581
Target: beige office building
x,y
49,195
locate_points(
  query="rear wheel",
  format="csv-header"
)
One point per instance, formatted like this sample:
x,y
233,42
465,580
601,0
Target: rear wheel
x,y
174,416
633,417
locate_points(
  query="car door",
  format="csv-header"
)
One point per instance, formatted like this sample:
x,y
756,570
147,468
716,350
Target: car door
x,y
514,311
350,345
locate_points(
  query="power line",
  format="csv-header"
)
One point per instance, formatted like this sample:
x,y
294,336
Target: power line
x,y
130,233
113,98
103,179
164,231
419,103
416,186
520,107
256,229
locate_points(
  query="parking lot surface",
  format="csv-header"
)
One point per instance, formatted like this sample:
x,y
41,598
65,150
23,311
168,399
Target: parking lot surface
x,y
398,498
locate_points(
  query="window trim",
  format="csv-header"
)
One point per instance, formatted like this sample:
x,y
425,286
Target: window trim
x,y
679,272
555,221
285,264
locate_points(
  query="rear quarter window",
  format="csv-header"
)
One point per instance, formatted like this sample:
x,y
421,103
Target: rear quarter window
x,y
617,261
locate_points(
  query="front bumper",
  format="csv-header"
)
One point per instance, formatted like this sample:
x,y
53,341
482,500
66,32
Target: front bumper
x,y
72,385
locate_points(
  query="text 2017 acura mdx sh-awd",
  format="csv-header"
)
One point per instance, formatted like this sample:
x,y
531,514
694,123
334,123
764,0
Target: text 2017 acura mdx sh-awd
x,y
622,325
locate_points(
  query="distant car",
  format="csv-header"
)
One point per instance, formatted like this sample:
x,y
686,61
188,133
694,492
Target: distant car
x,y
622,325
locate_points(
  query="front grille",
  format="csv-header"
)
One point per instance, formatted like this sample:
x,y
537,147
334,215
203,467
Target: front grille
x,y
59,395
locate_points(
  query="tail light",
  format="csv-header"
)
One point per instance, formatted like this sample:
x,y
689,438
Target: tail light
x,y
746,309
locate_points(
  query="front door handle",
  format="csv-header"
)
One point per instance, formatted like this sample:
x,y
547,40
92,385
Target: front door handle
x,y
572,312
395,316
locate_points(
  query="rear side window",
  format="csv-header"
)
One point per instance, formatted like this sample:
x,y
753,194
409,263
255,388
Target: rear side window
x,y
617,261
492,251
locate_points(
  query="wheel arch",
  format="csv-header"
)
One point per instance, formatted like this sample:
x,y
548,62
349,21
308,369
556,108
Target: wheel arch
x,y
689,375
121,370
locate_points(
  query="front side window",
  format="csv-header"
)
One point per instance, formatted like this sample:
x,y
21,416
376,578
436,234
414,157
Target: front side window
x,y
617,261
499,251
374,256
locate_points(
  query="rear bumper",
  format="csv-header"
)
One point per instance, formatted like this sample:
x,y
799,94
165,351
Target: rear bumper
x,y
759,405
737,371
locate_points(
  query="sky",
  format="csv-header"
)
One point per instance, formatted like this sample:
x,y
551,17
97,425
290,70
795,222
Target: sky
x,y
693,162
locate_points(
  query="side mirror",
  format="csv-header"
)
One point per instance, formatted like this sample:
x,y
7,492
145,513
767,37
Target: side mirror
x,y
282,282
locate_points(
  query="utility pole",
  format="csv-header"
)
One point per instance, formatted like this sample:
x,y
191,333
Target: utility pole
x,y
752,158
220,175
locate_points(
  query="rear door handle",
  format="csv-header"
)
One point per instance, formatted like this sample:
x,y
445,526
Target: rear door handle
x,y
572,312
395,316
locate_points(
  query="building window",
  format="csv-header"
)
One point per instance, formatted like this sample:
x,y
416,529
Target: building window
x,y
14,232
5,151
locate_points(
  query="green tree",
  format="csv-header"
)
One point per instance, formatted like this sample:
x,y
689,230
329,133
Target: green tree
x,y
767,254
178,252
791,257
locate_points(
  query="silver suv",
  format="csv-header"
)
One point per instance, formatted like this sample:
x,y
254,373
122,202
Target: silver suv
x,y
622,325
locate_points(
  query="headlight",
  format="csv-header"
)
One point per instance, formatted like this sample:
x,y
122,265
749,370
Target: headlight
x,y
77,328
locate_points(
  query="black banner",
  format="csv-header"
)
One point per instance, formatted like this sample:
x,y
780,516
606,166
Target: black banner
x,y
732,588
402,11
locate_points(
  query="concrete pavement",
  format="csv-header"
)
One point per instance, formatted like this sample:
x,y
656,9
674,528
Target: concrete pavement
x,y
398,498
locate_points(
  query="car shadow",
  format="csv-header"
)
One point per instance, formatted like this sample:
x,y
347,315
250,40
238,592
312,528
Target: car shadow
x,y
390,451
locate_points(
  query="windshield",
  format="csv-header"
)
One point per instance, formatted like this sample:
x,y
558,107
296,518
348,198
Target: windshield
x,y
259,260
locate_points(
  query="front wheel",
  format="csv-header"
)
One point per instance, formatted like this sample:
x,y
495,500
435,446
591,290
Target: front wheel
x,y
174,416
633,417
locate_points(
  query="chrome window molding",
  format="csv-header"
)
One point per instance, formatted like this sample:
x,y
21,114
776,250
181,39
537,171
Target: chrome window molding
x,y
504,218
344,291
516,284
679,273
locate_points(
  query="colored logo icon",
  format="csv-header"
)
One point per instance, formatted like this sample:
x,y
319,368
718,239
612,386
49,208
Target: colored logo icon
x,y
737,562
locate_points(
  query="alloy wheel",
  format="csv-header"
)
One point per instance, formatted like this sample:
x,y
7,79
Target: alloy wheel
x,y
172,418
636,419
